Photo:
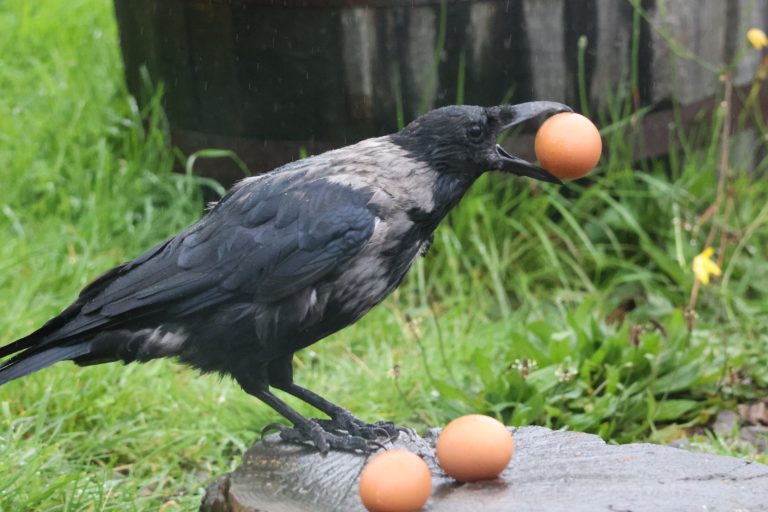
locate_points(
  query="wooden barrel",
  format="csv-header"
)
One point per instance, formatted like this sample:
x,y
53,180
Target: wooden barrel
x,y
267,78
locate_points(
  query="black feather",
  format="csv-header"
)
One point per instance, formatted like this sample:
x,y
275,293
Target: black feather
x,y
282,261
26,363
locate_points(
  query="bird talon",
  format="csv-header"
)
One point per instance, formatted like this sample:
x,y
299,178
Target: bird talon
x,y
411,433
391,430
380,432
348,434
273,427
324,435
376,446
329,426
348,424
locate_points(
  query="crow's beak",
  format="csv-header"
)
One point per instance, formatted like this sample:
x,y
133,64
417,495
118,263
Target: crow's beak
x,y
511,115
517,165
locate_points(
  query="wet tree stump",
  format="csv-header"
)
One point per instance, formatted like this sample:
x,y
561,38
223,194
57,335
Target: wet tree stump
x,y
551,470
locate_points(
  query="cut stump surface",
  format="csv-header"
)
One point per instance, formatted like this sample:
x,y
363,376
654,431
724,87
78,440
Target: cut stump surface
x,y
550,470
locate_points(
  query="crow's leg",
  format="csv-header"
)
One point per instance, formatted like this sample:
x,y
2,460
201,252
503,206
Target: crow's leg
x,y
304,430
341,420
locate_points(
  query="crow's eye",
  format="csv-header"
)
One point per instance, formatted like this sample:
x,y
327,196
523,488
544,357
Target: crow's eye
x,y
475,131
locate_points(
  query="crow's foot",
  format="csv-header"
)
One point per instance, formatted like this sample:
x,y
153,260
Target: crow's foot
x,y
323,439
345,422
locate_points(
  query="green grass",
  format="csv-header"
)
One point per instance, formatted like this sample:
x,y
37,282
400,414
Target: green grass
x,y
506,316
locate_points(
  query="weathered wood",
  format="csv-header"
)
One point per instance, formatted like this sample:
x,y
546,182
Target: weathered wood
x,y
652,139
359,43
212,44
750,14
612,50
545,24
552,471
698,25
325,73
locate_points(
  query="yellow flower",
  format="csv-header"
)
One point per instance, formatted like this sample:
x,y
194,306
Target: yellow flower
x,y
703,266
758,39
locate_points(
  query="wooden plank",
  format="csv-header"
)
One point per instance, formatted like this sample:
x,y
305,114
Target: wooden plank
x,y
697,25
653,141
751,14
503,73
325,4
289,74
212,41
481,15
139,41
613,48
173,62
358,50
544,24
419,74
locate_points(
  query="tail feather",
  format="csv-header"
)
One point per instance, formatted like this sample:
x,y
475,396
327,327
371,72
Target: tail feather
x,y
48,332
27,362
18,345
35,338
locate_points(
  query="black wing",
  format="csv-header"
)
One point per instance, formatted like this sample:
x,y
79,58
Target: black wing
x,y
263,241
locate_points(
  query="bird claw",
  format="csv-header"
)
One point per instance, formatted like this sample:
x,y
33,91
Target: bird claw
x,y
393,431
272,427
323,437
411,433
347,423
343,432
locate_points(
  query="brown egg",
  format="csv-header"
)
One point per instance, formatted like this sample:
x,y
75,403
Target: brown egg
x,y
474,447
395,481
568,145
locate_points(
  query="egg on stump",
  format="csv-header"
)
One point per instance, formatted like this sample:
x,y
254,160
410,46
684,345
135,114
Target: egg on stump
x,y
474,447
395,481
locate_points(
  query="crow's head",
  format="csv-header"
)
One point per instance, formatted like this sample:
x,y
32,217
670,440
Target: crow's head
x,y
462,139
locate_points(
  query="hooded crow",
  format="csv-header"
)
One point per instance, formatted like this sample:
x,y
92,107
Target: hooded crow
x,y
282,261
